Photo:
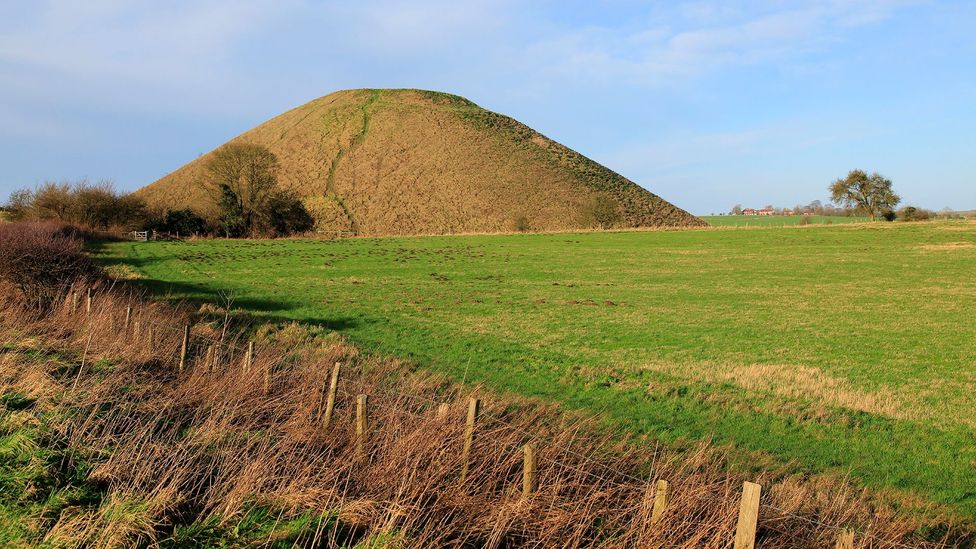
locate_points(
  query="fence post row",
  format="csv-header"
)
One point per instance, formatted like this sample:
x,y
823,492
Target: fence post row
x,y
474,408
745,534
88,302
745,530
330,397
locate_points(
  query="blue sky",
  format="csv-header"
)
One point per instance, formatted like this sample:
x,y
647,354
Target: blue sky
x,y
707,103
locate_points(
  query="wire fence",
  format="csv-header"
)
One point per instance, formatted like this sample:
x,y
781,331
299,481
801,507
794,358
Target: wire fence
x,y
611,477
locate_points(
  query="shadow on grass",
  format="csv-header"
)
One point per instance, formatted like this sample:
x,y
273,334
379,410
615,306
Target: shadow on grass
x,y
196,294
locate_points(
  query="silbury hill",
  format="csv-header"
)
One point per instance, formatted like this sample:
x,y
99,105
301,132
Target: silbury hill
x,y
393,162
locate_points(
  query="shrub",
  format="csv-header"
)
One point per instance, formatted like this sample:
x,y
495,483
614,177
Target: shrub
x,y
604,211
805,220
285,214
912,213
184,222
42,260
522,224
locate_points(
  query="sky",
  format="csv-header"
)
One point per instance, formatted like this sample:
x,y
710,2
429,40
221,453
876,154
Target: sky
x,y
705,103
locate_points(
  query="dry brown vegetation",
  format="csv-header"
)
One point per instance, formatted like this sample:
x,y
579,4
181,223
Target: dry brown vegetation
x,y
388,162
211,443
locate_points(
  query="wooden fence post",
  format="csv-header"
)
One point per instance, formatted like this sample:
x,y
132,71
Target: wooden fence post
x,y
88,302
331,397
74,302
362,424
152,338
184,346
529,468
474,408
136,330
745,530
128,319
249,356
661,495
209,358
215,358
845,539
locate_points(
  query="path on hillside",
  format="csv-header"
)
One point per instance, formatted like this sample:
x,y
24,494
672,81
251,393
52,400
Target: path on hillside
x,y
330,190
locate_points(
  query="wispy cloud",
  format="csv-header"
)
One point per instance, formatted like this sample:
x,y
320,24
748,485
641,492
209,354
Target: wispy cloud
x,y
121,53
695,38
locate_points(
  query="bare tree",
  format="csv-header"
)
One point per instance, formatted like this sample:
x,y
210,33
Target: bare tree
x,y
242,178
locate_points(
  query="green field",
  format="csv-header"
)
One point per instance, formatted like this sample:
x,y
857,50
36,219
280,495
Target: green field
x,y
777,220
841,349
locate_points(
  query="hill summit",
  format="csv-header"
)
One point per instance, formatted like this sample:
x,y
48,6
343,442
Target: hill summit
x,y
386,162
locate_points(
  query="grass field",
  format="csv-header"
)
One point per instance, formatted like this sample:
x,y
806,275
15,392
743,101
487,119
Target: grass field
x,y
776,220
841,349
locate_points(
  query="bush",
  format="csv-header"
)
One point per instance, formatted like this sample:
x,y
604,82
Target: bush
x,y
285,214
604,212
42,260
184,222
912,213
805,220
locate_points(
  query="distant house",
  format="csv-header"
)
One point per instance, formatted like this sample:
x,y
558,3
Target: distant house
x,y
766,211
788,211
749,211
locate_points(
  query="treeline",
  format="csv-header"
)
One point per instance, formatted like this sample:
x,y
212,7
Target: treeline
x,y
242,181
861,193
97,206
100,207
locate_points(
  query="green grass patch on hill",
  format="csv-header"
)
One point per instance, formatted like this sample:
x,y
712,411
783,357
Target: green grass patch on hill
x,y
846,349
778,220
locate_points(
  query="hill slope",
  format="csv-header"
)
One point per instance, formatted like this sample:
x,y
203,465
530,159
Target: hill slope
x,y
381,162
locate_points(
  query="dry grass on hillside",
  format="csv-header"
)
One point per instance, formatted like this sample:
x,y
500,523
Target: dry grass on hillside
x,y
216,441
384,162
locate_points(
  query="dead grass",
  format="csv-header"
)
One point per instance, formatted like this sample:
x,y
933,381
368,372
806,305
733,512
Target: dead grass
x,y
947,246
794,380
216,441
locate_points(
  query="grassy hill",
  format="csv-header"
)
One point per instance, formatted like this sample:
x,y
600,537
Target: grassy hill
x,y
391,162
